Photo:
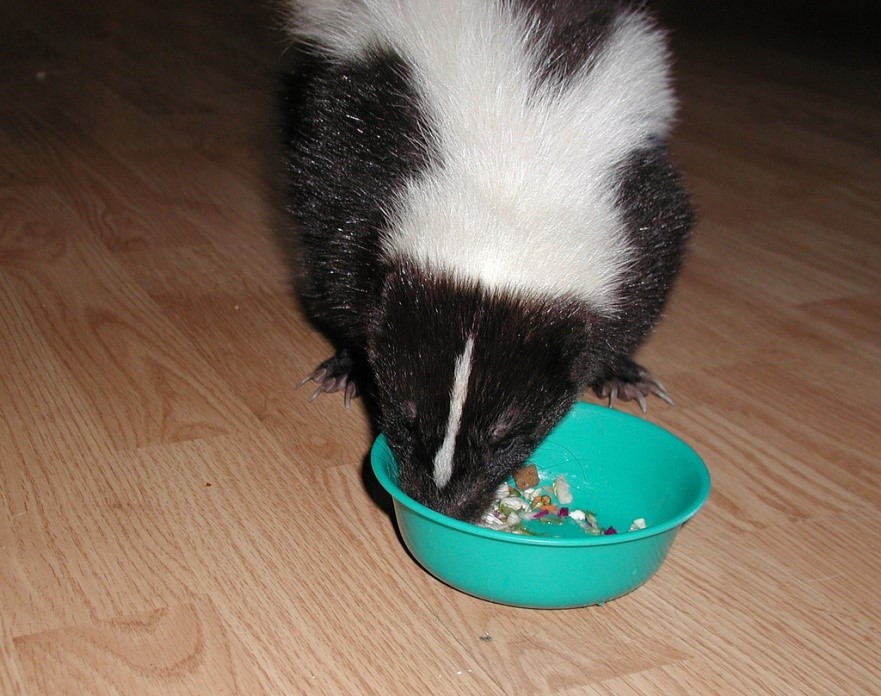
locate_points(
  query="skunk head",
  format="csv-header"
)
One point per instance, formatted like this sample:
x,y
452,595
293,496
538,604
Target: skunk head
x,y
469,382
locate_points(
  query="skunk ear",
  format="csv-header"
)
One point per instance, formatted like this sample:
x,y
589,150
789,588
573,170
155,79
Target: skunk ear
x,y
502,428
410,411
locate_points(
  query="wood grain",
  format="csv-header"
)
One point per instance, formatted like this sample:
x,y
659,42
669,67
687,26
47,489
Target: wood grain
x,y
176,650
177,518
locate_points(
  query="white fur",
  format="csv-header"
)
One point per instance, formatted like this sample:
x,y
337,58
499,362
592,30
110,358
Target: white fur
x,y
522,199
443,459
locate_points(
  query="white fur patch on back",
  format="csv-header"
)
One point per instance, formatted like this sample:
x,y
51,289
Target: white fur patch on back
x,y
522,198
443,459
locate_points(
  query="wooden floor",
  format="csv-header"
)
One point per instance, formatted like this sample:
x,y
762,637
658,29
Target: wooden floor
x,y
176,518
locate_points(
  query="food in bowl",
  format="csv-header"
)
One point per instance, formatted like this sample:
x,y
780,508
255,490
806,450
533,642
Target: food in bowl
x,y
618,465
525,505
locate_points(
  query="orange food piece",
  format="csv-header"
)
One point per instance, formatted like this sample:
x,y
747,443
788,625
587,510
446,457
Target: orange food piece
x,y
527,477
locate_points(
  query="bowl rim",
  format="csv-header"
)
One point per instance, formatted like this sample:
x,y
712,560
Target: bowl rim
x,y
703,493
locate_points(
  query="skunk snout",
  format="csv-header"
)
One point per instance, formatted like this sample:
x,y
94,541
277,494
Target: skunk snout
x,y
461,500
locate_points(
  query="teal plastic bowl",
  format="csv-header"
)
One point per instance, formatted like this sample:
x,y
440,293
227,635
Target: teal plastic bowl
x,y
619,466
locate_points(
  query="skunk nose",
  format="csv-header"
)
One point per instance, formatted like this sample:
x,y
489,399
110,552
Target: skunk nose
x,y
466,505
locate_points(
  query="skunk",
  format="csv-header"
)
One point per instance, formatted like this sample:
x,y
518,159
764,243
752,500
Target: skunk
x,y
488,215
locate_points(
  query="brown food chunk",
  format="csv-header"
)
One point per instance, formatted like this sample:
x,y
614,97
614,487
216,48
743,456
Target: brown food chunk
x,y
527,477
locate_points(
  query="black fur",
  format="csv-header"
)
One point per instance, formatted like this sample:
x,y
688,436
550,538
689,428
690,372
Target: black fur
x,y
574,30
355,135
658,217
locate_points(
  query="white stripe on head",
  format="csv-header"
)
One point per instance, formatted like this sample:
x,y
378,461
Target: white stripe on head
x,y
443,460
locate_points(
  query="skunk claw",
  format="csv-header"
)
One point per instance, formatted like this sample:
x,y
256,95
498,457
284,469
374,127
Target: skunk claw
x,y
351,392
640,398
660,391
613,395
333,375
315,376
634,385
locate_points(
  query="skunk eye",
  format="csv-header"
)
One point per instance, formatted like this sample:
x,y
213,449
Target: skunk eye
x,y
501,430
410,411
